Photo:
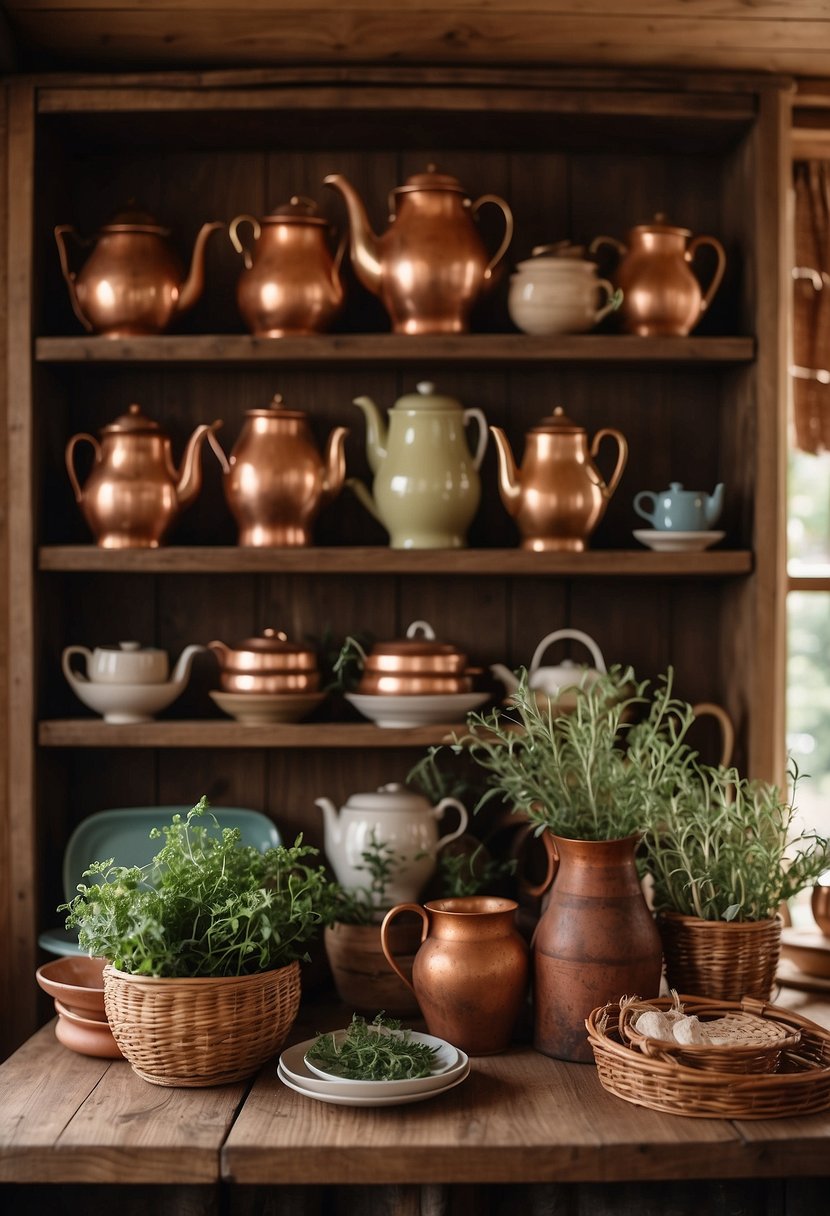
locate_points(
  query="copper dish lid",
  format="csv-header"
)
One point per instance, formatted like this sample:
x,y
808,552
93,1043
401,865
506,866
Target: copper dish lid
x,y
267,664
418,665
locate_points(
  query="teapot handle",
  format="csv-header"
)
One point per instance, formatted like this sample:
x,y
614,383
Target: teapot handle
x,y
438,811
476,413
704,708
71,675
70,460
622,457
613,299
508,229
384,936
646,496
621,249
61,232
236,241
577,636
715,244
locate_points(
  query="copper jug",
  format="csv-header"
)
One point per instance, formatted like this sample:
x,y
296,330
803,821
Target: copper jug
x,y
133,282
430,265
275,480
134,492
291,282
661,295
471,972
558,497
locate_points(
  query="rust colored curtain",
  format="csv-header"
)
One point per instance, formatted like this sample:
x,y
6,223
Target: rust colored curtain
x,y
811,316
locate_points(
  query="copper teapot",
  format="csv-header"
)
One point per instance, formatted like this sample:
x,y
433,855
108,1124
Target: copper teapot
x,y
275,480
268,664
558,497
133,282
661,295
430,265
291,282
134,492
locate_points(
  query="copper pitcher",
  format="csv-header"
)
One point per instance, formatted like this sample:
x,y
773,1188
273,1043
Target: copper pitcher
x,y
133,282
291,282
275,480
558,497
430,266
134,492
661,295
471,972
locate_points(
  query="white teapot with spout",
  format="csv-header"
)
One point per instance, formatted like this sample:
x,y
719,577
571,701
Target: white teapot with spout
x,y
558,684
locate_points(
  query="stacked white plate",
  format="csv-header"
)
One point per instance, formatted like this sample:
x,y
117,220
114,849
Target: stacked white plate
x,y
451,1067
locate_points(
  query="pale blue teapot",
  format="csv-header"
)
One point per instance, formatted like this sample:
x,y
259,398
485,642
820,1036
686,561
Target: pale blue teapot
x,y
679,510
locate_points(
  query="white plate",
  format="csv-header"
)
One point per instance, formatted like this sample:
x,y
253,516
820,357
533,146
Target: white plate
x,y
446,1058
677,542
293,1067
416,711
340,1098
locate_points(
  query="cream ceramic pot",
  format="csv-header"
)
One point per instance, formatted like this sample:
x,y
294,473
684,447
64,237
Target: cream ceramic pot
x,y
113,685
559,295
126,663
426,485
400,821
558,683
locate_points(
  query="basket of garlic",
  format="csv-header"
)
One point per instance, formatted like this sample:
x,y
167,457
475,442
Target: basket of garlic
x,y
695,1079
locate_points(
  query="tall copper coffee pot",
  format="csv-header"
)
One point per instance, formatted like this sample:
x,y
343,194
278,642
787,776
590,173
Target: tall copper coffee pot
x,y
291,282
430,266
661,295
134,492
275,481
133,282
558,497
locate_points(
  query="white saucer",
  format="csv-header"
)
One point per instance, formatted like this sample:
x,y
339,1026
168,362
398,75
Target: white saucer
x,y
342,1095
255,707
416,710
445,1060
676,542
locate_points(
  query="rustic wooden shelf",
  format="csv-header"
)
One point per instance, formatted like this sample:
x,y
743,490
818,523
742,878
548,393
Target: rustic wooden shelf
x,y
210,732
197,559
334,349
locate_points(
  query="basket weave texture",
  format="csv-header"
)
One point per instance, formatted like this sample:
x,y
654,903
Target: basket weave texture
x,y
722,960
799,1086
198,1032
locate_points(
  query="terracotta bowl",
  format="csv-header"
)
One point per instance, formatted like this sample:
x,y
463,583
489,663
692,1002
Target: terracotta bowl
x,y
77,982
820,904
87,1036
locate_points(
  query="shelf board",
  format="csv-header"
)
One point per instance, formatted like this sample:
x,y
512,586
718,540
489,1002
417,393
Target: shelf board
x,y
197,559
335,349
94,732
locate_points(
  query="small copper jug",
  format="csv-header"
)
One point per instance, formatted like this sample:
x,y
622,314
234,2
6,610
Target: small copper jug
x,y
134,492
275,481
558,497
471,972
430,266
661,295
291,282
133,282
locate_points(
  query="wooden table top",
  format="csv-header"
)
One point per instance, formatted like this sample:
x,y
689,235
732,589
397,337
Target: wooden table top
x,y
520,1117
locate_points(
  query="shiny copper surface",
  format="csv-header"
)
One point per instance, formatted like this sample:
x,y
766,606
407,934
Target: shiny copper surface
x,y
413,685
820,905
269,654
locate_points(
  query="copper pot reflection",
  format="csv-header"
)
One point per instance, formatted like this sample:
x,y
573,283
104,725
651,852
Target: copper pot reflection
x,y
266,664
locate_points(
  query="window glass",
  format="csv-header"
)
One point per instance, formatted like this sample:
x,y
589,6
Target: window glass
x,y
808,526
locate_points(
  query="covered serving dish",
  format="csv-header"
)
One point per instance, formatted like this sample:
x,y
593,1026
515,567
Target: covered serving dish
x,y
417,665
268,663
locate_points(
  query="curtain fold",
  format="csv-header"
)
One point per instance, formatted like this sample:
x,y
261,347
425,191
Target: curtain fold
x,y
811,310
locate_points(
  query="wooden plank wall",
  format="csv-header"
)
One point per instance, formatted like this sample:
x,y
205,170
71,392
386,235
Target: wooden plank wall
x,y
752,35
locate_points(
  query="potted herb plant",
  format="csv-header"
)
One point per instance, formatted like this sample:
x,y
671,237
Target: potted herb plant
x,y
202,945
724,854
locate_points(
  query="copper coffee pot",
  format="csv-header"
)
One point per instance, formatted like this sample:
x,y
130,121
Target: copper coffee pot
x,y
430,265
558,497
132,283
134,493
661,295
291,283
275,481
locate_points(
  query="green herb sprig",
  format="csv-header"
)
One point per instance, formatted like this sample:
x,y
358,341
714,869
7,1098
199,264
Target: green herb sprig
x,y
373,1051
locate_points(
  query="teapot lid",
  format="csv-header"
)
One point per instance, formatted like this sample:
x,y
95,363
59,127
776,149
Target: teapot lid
x,y
415,646
271,641
559,249
426,398
298,210
134,219
277,409
660,225
557,423
393,796
431,180
133,422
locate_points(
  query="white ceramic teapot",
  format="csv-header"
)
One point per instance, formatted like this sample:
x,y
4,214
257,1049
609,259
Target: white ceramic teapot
x,y
400,821
557,684
127,683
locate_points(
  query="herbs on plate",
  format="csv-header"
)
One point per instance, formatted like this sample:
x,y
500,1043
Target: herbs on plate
x,y
373,1051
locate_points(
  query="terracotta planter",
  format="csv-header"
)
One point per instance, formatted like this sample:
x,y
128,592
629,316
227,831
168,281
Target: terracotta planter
x,y
595,942
364,980
724,960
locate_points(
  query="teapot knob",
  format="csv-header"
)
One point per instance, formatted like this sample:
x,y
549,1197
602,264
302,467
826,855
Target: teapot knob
x,y
129,646
426,388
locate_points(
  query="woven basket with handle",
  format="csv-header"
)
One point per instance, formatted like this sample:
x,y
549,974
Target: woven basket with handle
x,y
197,1032
723,960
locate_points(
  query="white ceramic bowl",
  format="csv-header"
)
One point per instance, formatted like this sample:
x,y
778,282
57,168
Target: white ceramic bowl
x,y
257,709
124,704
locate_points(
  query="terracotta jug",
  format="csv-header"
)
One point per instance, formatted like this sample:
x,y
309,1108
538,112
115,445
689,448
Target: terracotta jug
x,y
430,265
291,282
661,295
470,974
133,282
558,497
275,481
595,942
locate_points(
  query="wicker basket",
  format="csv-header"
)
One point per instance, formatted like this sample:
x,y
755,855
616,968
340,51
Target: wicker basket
x,y
722,960
799,1086
755,1043
197,1032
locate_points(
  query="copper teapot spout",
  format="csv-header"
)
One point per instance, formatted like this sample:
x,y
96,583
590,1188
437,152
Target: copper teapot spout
x,y
189,480
363,242
509,478
191,288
